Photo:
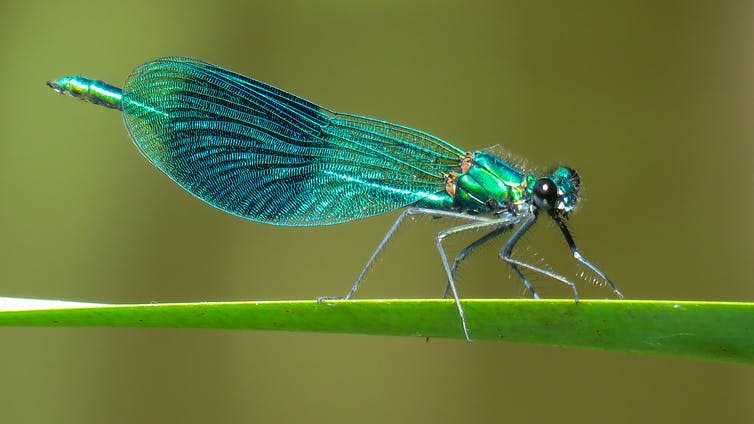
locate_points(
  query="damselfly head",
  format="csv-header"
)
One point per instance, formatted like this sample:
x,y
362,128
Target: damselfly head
x,y
557,192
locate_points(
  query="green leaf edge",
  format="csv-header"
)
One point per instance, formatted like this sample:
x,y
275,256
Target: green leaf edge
x,y
716,331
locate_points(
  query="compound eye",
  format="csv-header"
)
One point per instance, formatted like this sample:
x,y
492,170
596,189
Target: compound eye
x,y
574,177
545,193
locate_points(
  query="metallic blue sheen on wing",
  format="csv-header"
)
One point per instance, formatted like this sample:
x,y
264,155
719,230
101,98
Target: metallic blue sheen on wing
x,y
263,154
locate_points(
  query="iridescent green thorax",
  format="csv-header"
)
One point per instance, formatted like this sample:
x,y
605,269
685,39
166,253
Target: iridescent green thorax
x,y
489,184
97,92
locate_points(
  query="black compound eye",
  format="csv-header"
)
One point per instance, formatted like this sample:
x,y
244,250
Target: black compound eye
x,y
545,193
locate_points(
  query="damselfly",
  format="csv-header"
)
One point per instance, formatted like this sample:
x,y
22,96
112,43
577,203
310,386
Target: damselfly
x,y
266,155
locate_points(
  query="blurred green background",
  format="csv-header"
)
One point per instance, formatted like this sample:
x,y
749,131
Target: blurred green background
x,y
651,102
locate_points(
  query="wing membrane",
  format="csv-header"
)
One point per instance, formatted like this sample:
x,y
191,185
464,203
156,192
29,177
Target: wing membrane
x,y
263,154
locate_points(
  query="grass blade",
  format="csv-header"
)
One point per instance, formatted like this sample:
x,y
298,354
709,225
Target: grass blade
x,y
718,331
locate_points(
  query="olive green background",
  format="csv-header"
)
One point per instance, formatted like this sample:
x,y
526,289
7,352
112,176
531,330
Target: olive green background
x,y
652,102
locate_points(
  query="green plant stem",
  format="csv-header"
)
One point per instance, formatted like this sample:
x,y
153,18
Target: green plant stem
x,y
718,331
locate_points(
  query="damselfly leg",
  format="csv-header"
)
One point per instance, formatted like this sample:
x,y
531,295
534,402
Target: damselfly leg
x,y
507,250
446,265
390,232
468,250
478,223
577,255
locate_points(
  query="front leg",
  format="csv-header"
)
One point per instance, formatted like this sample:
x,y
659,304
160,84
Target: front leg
x,y
507,250
577,255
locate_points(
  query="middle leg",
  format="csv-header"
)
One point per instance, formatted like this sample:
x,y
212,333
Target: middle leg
x,y
441,236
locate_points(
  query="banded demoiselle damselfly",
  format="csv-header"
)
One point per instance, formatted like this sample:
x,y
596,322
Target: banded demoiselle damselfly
x,y
263,154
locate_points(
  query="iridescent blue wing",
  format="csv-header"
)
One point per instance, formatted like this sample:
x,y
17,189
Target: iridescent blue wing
x,y
263,154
